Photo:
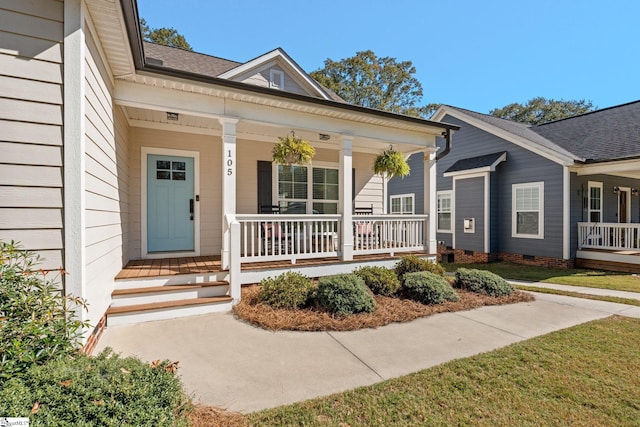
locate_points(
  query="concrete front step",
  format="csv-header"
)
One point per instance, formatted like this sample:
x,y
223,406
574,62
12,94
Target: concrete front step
x,y
138,313
153,294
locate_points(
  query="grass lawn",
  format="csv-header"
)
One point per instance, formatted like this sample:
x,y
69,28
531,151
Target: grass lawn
x,y
574,277
585,375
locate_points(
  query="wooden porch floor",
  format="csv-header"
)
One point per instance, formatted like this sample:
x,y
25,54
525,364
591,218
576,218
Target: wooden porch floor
x,y
146,268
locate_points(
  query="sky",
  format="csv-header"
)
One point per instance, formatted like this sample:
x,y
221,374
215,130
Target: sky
x,y
472,54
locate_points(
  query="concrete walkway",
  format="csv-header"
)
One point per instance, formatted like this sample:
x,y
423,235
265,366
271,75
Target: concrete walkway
x,y
227,363
581,289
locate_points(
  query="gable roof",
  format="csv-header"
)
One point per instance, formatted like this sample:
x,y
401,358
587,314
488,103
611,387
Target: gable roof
x,y
487,161
609,134
517,133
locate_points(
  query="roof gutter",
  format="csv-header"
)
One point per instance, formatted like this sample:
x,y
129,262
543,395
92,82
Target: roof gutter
x,y
447,136
132,21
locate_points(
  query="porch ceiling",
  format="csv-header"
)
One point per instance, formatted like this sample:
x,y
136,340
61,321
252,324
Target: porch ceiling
x,y
156,119
623,168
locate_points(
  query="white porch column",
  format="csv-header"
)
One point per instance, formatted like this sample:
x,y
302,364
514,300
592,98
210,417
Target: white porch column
x,y
345,204
430,203
74,153
228,185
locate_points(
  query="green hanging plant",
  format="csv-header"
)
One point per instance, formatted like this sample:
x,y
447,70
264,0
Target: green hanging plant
x,y
290,150
391,163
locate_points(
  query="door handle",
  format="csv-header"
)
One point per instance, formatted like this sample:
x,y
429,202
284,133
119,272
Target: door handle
x,y
191,208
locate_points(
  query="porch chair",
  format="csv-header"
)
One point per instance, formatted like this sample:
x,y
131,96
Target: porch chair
x,y
275,241
366,235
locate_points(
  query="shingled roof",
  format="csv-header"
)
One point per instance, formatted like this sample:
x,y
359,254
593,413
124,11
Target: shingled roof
x,y
185,60
608,134
471,163
198,63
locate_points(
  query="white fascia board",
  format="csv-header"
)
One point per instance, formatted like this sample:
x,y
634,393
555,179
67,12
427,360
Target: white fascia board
x,y
607,167
525,143
274,55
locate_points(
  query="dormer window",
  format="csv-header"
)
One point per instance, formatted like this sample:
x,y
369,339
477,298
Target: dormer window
x,y
276,79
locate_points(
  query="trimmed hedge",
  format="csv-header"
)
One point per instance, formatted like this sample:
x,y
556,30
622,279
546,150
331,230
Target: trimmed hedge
x,y
380,280
97,391
289,290
345,294
414,264
428,288
483,282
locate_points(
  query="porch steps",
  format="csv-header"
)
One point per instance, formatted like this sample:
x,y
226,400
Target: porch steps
x,y
148,303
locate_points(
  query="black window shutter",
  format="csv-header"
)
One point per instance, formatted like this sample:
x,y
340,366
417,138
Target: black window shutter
x,y
264,184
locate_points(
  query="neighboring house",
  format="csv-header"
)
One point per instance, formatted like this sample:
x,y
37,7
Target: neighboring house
x,y
116,152
557,194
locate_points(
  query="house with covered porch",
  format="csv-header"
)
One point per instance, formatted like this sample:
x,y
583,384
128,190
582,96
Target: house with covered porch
x,y
563,193
144,170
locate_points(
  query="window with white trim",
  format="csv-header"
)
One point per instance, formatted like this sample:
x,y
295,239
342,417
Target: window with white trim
x,y
528,210
276,79
444,211
402,204
303,189
595,201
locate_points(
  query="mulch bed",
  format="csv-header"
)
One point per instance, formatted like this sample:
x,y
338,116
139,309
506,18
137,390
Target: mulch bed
x,y
210,416
388,310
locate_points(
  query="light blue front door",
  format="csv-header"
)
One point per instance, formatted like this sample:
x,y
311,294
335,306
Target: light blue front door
x,y
170,203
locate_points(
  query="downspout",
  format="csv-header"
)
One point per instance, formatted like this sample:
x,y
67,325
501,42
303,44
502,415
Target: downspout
x,y
447,136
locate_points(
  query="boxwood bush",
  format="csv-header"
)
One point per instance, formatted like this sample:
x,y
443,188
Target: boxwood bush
x,y
37,321
414,264
345,294
483,282
289,290
97,391
428,288
380,280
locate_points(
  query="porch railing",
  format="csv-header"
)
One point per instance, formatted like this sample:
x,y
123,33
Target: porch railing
x,y
288,237
610,236
375,234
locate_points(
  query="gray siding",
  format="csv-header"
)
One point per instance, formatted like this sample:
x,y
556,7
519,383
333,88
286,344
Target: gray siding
x,y
579,201
31,201
412,184
469,203
521,166
494,210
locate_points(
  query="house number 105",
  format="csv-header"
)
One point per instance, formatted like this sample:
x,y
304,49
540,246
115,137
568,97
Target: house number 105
x,y
229,163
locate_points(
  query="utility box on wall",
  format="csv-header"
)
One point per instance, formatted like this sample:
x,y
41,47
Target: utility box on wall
x,y
469,225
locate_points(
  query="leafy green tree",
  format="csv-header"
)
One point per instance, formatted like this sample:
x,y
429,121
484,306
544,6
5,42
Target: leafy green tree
x,y
376,82
165,36
541,110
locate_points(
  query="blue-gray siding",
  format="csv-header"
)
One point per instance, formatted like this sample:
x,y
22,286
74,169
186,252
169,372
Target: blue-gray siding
x,y
412,184
521,166
469,203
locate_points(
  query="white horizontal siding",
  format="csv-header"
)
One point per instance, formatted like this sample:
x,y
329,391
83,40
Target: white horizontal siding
x,y
106,182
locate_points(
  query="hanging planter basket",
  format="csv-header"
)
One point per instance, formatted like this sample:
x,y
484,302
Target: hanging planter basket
x,y
290,150
391,163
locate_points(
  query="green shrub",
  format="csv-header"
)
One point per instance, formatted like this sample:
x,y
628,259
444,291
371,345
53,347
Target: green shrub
x,y
428,288
380,280
483,282
345,294
413,264
97,391
37,322
289,290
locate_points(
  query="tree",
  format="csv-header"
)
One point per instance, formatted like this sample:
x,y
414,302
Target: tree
x,y
542,110
374,82
165,36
